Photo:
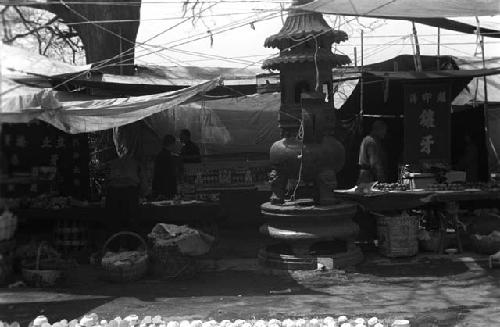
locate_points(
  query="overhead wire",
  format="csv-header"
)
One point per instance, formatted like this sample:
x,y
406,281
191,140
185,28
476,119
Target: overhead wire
x,y
105,63
119,21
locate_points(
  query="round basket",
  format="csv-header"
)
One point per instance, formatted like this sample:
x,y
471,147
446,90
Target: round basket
x,y
8,226
125,273
42,277
485,245
431,244
168,262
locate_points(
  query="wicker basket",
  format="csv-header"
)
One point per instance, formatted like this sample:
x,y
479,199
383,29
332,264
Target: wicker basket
x,y
43,273
397,235
132,272
168,262
8,225
485,245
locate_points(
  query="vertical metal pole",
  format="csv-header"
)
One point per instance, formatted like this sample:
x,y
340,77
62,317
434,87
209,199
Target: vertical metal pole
x,y
361,100
485,105
121,52
355,57
439,49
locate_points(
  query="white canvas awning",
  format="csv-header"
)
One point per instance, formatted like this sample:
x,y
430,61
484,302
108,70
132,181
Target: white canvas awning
x,y
406,8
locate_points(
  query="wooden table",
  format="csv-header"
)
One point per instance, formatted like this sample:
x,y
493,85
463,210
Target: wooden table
x,y
198,214
442,205
405,200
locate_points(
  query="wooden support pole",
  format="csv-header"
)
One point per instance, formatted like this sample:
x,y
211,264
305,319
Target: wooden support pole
x,y
417,48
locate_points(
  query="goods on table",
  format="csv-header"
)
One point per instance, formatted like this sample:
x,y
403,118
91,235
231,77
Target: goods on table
x,y
124,266
46,201
487,244
391,187
462,186
8,225
157,321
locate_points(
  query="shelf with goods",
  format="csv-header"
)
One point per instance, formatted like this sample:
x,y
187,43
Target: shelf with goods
x,y
213,177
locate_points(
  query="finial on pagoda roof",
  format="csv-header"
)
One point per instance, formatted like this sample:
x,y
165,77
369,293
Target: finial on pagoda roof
x,y
301,24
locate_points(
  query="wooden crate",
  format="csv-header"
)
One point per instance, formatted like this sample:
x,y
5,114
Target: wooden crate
x,y
397,235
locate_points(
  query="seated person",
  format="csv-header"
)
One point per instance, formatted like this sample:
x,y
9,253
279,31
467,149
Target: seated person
x,y
190,153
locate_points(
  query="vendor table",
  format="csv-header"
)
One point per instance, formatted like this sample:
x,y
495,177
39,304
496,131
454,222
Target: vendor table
x,y
199,214
442,204
405,200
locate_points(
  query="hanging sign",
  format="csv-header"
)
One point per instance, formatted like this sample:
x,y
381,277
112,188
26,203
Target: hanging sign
x,y
427,112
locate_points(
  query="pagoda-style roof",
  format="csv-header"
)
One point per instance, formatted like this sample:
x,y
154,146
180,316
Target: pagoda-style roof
x,y
300,24
301,56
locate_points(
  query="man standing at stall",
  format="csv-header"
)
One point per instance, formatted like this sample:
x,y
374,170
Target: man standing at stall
x,y
123,188
190,153
372,158
166,169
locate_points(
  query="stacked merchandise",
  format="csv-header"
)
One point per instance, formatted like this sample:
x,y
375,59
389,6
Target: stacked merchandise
x,y
8,226
71,236
206,181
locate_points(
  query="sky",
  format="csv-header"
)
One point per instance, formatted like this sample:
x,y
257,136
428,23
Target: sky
x,y
232,34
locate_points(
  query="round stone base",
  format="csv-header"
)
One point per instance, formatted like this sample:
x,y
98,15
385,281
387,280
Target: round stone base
x,y
274,260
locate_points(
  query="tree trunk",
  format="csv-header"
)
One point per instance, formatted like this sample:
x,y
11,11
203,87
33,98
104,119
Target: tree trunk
x,y
102,42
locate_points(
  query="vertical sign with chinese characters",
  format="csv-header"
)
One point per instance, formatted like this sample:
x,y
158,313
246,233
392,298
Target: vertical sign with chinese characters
x,y
427,112
29,147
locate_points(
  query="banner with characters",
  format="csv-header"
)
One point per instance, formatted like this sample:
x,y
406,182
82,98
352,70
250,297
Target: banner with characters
x,y
427,123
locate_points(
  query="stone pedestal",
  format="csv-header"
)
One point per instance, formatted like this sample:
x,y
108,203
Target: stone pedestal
x,y
309,234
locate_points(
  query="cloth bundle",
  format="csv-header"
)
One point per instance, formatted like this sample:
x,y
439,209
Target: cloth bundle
x,y
127,258
188,240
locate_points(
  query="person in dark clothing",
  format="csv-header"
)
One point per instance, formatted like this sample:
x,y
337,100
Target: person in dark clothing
x,y
468,162
122,197
190,153
166,170
372,158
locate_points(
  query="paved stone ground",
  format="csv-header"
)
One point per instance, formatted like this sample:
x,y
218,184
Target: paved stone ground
x,y
428,290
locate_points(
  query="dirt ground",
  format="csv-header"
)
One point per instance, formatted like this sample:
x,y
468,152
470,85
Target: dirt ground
x,y
430,290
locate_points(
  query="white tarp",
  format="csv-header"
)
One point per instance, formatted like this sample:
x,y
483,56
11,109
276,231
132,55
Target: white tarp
x,y
89,116
475,90
406,8
243,124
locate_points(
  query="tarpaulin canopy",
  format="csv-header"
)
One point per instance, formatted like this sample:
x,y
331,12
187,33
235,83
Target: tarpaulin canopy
x,y
406,8
474,93
440,74
245,126
429,12
89,116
